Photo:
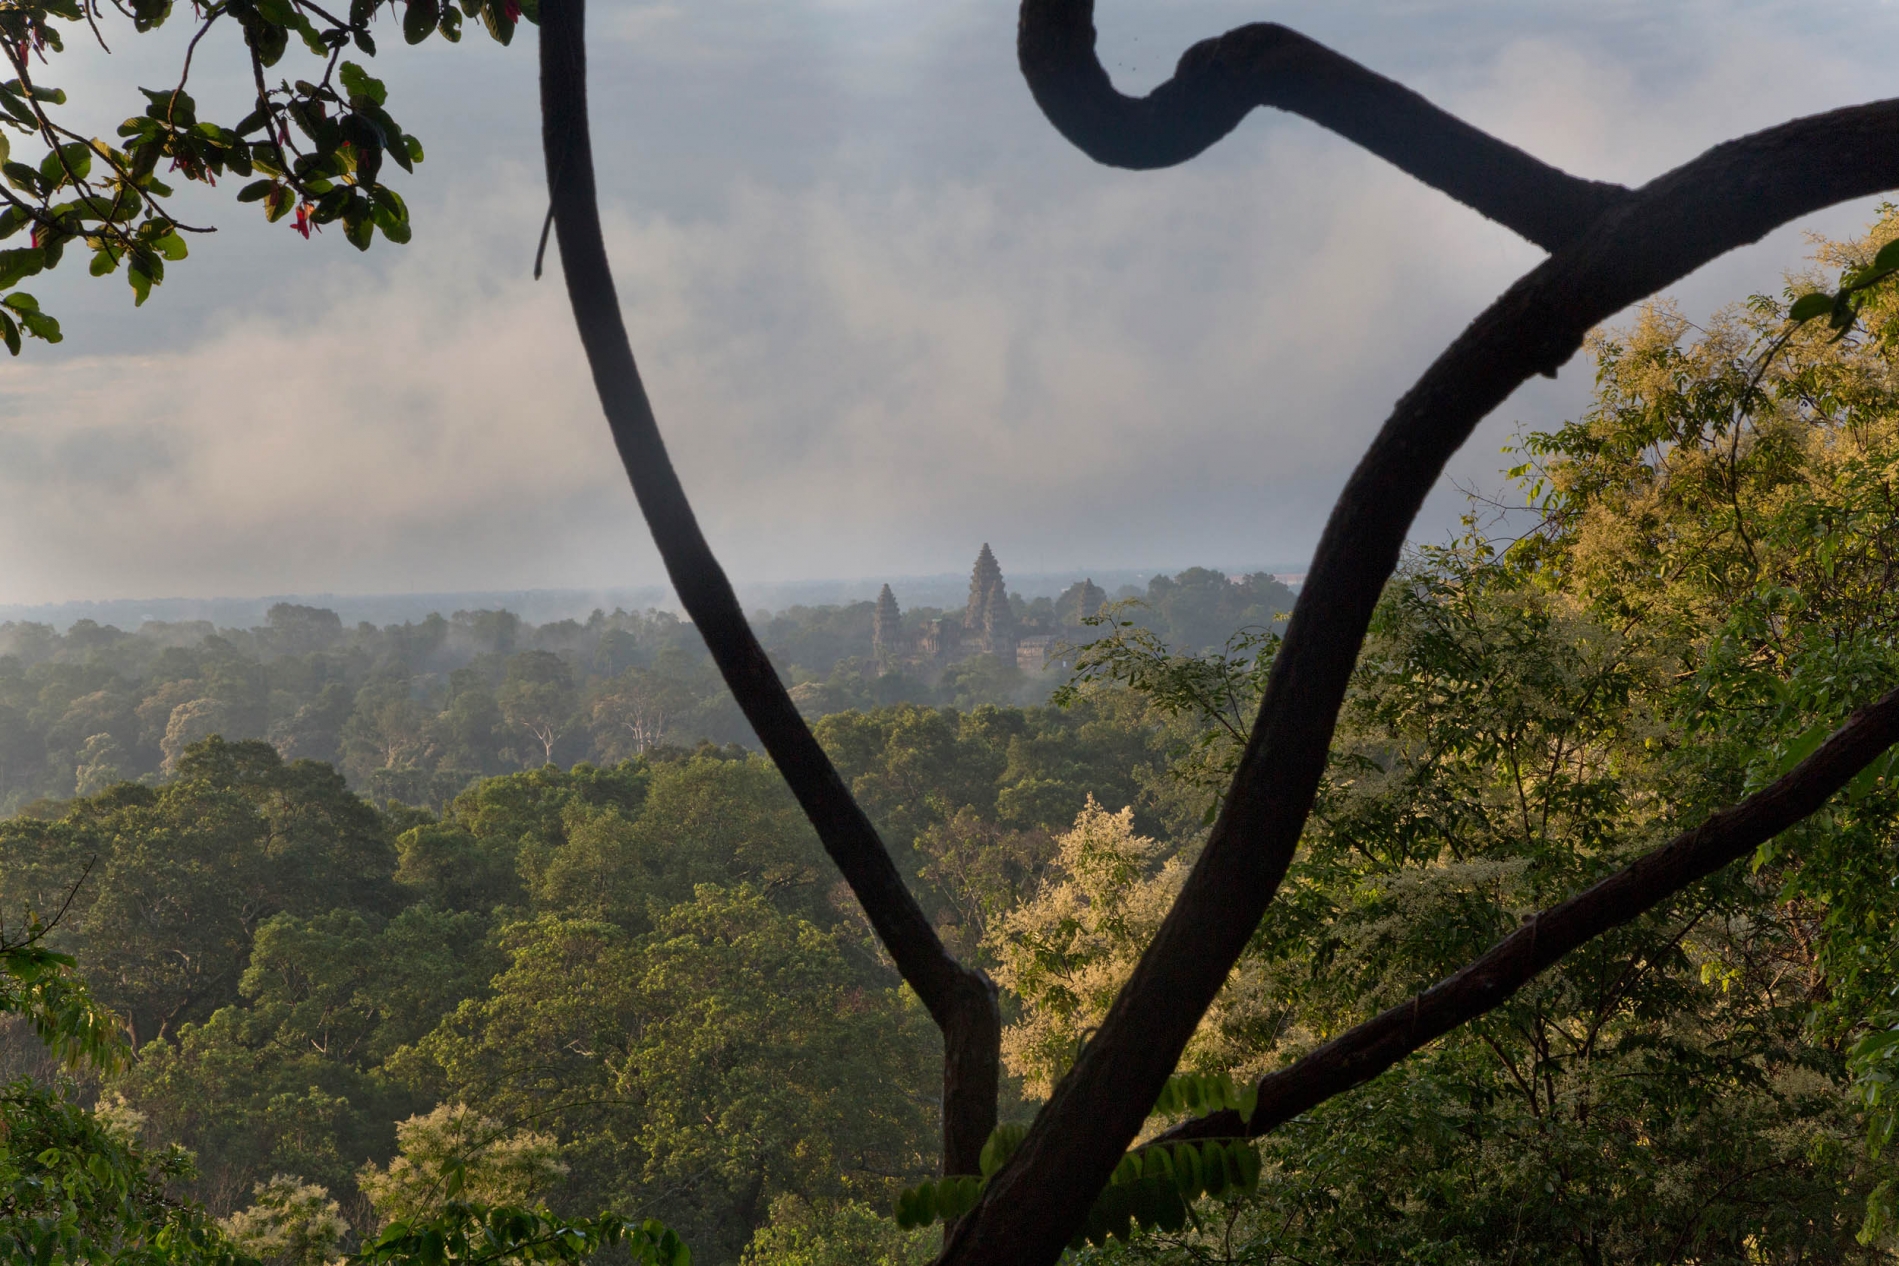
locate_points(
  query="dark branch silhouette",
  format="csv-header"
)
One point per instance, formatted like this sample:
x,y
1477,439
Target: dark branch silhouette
x,y
1732,195
1361,1053
962,1001
1220,81
1612,247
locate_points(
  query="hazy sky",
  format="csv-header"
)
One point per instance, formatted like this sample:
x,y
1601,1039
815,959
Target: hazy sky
x,y
885,313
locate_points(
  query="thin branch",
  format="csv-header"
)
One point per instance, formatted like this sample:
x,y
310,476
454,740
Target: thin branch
x,y
191,50
962,1001
1219,81
1360,1054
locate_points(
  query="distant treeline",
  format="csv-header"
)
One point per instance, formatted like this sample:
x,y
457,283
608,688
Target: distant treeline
x,y
415,711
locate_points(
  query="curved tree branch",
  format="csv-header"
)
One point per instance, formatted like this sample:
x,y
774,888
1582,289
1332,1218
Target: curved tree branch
x,y
1220,81
1359,1054
1732,195
962,1001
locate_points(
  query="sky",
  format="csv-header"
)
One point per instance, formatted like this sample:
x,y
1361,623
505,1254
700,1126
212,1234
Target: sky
x,y
885,313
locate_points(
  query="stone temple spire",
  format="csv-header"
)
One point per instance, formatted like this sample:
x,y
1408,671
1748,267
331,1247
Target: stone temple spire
x,y
886,627
986,576
998,622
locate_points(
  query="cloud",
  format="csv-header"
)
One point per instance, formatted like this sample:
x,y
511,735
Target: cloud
x,y
894,319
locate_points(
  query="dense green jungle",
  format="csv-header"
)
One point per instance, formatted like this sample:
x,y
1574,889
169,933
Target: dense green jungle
x,y
339,928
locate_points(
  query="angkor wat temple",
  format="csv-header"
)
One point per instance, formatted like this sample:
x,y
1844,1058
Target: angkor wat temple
x,y
987,625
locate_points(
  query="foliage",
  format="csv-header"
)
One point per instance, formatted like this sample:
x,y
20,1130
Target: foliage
x,y
72,1186
110,200
477,1235
73,1190
418,711
1066,952
832,1233
38,984
452,1150
289,1223
729,1054
1705,592
1154,1186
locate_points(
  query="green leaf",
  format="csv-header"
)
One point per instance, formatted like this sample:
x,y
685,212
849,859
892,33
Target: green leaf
x,y
1213,1172
11,333
419,19
41,326
1845,311
1801,747
1809,306
1867,780
499,24
957,1196
1000,1146
1187,1170
20,176
358,83
256,190
1243,1166
23,261
141,283
1888,256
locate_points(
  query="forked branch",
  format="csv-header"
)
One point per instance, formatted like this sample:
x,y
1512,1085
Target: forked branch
x,y
962,1001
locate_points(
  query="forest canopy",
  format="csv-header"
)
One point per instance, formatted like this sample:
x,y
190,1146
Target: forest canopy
x,y
629,980
416,711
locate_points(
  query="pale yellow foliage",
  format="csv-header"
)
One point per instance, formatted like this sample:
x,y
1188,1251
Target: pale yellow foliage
x,y
1067,951
119,1118
290,1222
499,1166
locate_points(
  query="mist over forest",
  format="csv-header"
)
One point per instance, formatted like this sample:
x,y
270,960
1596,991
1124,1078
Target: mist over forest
x,y
414,711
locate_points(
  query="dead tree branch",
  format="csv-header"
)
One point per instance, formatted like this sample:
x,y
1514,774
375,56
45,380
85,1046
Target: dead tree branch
x,y
962,1001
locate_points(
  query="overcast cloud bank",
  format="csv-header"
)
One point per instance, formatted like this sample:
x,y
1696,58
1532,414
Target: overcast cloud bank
x,y
885,313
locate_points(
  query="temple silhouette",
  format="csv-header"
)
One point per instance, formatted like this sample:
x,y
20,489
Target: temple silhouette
x,y
987,625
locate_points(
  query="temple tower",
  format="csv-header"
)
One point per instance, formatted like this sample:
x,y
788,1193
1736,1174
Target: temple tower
x,y
988,614
1079,601
986,576
886,628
